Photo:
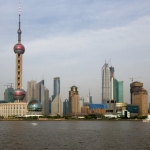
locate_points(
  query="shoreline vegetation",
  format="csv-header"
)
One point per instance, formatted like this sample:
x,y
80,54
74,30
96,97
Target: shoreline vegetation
x,y
91,117
45,119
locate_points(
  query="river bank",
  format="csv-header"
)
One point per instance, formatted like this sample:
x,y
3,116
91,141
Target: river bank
x,y
63,119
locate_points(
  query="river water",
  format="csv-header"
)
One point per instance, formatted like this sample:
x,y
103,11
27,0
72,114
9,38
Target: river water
x,y
74,135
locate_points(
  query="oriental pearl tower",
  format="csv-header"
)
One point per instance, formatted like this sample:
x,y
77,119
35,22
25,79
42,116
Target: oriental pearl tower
x,y
19,50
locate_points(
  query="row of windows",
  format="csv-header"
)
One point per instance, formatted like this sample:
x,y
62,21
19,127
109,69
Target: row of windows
x,y
6,106
109,110
112,101
6,110
13,108
11,114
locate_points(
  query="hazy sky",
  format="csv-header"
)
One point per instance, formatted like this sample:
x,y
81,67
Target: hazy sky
x,y
71,39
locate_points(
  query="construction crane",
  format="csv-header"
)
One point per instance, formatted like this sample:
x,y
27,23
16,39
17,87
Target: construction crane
x,y
134,78
7,86
10,84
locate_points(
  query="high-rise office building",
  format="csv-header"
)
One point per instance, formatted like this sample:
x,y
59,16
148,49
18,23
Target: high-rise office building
x,y
8,94
73,101
112,82
139,97
105,82
89,98
65,107
118,91
56,88
56,106
38,90
116,87
81,103
44,100
42,94
50,104
19,50
112,89
31,89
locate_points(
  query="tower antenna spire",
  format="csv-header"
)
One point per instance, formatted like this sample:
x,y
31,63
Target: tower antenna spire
x,y
19,30
19,8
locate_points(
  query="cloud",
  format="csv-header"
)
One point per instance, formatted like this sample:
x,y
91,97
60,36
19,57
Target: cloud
x,y
73,39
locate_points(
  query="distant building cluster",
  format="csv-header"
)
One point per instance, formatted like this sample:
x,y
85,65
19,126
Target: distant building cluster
x,y
36,101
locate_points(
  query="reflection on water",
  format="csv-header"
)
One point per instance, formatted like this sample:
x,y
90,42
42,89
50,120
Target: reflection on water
x,y
75,135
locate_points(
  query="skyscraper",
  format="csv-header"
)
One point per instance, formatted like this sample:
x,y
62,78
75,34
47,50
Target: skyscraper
x,y
31,90
19,50
56,89
81,103
105,82
112,82
116,87
73,101
42,95
65,107
8,97
112,89
120,92
45,100
89,98
139,97
56,104
38,90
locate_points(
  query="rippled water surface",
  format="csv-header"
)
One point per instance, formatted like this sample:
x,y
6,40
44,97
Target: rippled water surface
x,y
74,135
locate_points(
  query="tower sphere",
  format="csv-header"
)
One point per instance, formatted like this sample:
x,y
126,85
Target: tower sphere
x,y
19,49
19,94
34,105
19,31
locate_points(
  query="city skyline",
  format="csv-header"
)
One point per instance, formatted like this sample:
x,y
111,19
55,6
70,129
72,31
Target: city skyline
x,y
72,40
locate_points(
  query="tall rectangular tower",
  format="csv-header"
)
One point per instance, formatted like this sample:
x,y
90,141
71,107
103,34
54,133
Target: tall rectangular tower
x,y
56,88
73,101
38,90
120,92
105,82
139,97
31,89
112,83
65,107
56,104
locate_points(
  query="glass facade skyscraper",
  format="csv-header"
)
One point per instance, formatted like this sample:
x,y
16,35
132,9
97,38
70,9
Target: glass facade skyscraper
x,y
118,91
112,82
38,94
105,82
115,89
56,104
56,89
81,103
8,96
42,95
31,88
112,89
65,107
